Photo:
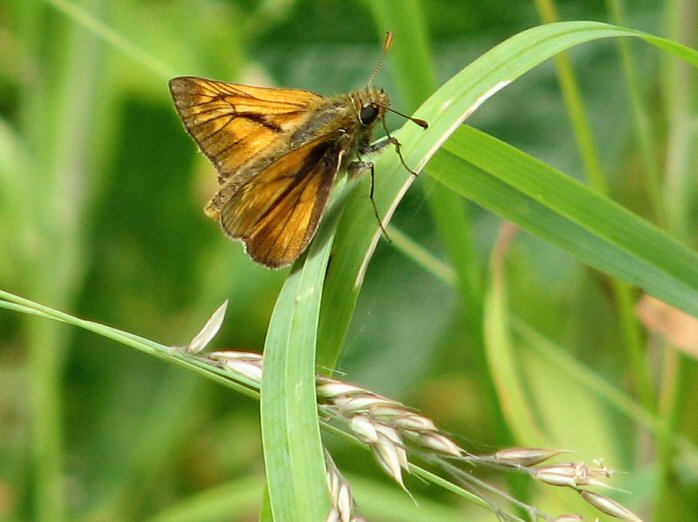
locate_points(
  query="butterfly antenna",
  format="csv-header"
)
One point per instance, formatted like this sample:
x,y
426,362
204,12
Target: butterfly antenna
x,y
381,58
388,42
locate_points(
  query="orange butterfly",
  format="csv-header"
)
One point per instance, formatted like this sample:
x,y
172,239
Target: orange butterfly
x,y
277,153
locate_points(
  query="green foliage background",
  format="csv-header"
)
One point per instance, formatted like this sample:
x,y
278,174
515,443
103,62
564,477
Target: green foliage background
x,y
100,198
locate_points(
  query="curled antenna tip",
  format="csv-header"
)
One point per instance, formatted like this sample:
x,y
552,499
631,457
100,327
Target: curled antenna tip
x,y
388,40
422,123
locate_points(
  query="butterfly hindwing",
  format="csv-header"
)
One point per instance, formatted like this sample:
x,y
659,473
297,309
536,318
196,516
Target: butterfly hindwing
x,y
277,212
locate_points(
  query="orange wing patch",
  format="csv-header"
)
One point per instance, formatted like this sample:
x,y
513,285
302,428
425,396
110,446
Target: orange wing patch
x,y
277,212
234,124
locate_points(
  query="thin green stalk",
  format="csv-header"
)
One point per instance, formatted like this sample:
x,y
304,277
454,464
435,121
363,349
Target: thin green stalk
x,y
46,444
143,462
672,391
644,133
634,345
171,354
650,159
679,88
420,255
579,373
416,78
114,39
500,349
586,143
593,382
575,106
46,363
64,100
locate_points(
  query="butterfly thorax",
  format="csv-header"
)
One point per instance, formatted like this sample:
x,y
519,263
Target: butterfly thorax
x,y
347,118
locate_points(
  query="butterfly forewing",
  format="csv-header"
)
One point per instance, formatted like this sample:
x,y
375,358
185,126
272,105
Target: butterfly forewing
x,y
233,124
277,212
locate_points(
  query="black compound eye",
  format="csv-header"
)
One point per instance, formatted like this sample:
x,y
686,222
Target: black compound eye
x,y
368,113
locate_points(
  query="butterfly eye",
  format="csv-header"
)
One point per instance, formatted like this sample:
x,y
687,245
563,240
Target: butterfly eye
x,y
368,113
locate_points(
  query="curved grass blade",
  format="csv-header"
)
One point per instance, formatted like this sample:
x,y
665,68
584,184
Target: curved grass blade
x,y
445,110
293,454
592,228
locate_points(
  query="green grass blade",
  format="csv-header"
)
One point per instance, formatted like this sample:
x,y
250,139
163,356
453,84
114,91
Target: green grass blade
x,y
97,27
499,351
290,431
416,79
239,497
590,227
569,367
445,110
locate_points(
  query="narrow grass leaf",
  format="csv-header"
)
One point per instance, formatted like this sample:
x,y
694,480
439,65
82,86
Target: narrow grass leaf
x,y
290,432
445,110
592,228
504,366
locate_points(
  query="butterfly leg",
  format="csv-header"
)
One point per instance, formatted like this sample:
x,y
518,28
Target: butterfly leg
x,y
378,145
356,166
389,140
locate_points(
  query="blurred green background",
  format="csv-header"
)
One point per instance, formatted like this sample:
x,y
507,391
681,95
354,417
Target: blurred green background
x,y
101,191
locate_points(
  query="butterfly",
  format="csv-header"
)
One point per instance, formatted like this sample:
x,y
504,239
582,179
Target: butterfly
x,y
278,153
